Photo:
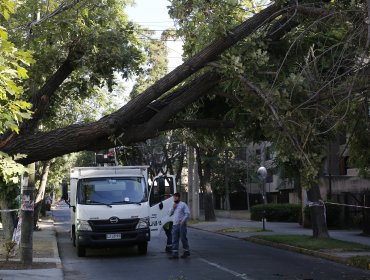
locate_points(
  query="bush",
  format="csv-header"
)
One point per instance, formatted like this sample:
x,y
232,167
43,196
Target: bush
x,y
276,212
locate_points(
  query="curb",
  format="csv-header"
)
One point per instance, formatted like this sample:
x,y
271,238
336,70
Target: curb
x,y
58,262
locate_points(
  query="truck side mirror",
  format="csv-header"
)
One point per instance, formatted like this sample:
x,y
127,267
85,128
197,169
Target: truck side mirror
x,y
64,191
161,205
161,186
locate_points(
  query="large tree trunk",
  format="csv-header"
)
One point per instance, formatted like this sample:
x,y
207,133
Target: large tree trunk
x,y
41,192
317,211
180,164
204,173
97,135
7,219
209,210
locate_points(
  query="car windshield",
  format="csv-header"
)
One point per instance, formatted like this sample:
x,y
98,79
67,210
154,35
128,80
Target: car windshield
x,y
110,191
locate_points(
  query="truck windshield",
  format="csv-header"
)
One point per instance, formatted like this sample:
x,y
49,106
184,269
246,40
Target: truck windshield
x,y
110,191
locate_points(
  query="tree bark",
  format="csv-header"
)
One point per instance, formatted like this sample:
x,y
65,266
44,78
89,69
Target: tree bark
x,y
96,135
317,211
209,210
7,220
41,192
180,164
204,173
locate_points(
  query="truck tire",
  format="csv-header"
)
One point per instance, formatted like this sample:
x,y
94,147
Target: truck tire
x,y
143,248
81,250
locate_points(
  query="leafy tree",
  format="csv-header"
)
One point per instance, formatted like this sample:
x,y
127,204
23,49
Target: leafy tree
x,y
305,71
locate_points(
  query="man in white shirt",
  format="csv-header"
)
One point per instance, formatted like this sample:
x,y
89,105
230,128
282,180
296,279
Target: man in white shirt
x,y
181,213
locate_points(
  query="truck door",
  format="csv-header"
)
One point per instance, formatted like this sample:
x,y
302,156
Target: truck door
x,y
161,202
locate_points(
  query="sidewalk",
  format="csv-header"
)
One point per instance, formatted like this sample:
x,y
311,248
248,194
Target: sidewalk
x,y
45,254
277,228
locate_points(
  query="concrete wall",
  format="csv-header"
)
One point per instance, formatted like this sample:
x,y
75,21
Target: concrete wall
x,y
340,184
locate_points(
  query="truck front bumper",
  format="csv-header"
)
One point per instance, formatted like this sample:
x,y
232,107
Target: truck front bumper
x,y
99,239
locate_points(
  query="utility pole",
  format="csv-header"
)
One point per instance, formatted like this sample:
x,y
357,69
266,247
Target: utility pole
x,y
227,192
262,174
190,178
263,180
27,211
193,185
195,206
247,181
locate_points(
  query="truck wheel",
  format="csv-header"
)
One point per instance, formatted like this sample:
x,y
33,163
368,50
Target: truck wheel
x,y
143,248
81,250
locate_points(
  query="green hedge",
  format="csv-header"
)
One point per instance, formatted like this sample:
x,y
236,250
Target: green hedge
x,y
276,212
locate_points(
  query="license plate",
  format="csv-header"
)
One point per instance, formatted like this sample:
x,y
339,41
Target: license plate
x,y
113,236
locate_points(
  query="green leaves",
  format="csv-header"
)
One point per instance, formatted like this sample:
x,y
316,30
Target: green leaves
x,y
95,38
7,7
13,110
10,170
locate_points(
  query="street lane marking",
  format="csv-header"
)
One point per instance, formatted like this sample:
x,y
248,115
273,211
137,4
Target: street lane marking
x,y
236,274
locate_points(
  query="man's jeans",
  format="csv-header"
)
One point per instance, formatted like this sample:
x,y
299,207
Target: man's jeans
x,y
179,231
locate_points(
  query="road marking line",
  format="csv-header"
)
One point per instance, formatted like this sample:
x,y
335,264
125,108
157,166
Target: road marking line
x,y
237,274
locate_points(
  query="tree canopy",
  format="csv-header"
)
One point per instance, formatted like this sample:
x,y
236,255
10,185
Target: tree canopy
x,y
293,73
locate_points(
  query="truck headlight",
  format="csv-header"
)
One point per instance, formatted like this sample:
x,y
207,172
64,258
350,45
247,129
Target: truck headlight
x,y
83,225
143,223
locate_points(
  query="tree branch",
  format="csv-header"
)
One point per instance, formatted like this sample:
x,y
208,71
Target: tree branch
x,y
200,87
96,135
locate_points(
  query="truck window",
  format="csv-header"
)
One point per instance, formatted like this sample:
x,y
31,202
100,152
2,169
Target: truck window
x,y
162,189
111,190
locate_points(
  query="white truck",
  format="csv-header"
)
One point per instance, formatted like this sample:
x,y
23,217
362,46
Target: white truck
x,y
115,206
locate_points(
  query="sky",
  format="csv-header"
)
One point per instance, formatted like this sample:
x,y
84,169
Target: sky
x,y
153,14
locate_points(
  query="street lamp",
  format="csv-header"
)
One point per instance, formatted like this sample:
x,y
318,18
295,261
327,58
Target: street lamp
x,y
262,175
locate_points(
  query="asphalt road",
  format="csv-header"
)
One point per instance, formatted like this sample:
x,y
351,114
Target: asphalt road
x,y
213,256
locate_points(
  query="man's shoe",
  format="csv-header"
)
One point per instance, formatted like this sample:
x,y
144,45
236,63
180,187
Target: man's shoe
x,y
185,254
173,257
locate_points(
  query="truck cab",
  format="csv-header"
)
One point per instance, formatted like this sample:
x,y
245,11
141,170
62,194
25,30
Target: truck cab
x,y
115,206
